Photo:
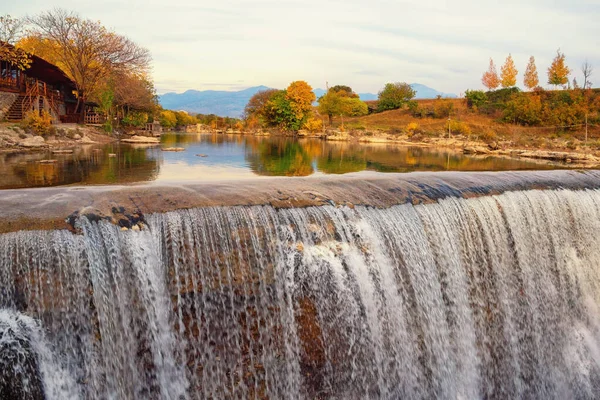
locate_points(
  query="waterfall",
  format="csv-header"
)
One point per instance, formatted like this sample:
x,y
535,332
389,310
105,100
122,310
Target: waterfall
x,y
487,297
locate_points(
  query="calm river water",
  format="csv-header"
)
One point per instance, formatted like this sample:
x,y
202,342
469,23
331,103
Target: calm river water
x,y
230,157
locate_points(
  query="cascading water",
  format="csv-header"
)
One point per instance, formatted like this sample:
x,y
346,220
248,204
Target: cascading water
x,y
489,297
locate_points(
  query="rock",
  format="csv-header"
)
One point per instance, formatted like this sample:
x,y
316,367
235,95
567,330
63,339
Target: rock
x,y
34,141
124,229
173,149
62,151
201,155
135,228
77,136
47,161
112,155
476,150
86,140
493,146
141,139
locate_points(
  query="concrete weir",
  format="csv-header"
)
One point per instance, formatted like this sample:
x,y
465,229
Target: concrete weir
x,y
50,208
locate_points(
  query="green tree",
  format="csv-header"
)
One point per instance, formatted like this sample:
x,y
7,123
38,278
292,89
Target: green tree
x,y
341,100
394,96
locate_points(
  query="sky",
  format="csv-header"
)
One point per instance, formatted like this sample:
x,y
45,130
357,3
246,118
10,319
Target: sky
x,y
236,44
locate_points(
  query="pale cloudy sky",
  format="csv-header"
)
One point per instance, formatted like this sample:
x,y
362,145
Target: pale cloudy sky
x,y
235,44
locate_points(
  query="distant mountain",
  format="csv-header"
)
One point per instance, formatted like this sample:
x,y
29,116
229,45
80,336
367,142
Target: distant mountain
x,y
231,104
222,103
425,92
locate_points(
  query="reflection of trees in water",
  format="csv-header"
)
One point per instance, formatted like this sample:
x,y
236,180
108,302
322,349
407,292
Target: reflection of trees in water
x,y
86,165
282,157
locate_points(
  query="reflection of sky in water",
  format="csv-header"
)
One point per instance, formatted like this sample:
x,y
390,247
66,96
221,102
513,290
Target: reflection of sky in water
x,y
231,157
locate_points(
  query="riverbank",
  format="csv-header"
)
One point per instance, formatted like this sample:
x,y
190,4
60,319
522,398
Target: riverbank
x,y
567,150
14,139
554,150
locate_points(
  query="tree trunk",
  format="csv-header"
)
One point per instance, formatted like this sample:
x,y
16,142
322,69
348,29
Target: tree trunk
x,y
330,119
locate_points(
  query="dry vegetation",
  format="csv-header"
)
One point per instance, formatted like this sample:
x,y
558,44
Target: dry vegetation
x,y
475,127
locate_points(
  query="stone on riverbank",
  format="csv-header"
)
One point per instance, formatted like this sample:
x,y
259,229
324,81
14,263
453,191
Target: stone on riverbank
x,y
141,139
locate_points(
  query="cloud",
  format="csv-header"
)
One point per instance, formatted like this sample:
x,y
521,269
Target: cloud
x,y
446,45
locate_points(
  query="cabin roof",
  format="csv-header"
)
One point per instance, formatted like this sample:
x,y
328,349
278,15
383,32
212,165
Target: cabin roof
x,y
46,72
49,73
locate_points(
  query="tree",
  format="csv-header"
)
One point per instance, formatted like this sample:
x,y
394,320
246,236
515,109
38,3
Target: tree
x,y
558,73
11,30
168,119
490,78
301,97
531,79
509,73
394,96
87,51
587,69
341,100
256,107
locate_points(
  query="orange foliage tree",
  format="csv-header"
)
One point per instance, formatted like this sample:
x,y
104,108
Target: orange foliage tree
x,y
558,73
301,96
531,79
509,73
490,78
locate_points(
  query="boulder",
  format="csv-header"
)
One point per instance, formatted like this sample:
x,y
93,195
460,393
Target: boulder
x,y
86,140
34,141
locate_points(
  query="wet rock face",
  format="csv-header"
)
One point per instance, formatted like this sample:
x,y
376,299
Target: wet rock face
x,y
19,373
120,216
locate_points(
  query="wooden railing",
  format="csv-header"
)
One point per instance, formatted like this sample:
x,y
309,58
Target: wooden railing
x,y
93,118
9,82
32,92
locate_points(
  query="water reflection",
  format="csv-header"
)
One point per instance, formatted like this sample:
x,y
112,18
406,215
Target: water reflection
x,y
222,157
110,164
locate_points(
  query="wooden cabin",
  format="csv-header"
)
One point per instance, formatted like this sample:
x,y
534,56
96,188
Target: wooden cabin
x,y
43,86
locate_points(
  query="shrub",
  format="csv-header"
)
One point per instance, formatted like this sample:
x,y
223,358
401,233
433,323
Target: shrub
x,y
443,108
460,128
39,123
135,119
475,98
314,124
411,128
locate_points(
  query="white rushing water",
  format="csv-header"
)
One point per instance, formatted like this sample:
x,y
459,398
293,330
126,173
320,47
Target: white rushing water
x,y
492,297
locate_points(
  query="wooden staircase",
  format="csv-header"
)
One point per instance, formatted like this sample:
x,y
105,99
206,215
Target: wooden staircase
x,y
15,112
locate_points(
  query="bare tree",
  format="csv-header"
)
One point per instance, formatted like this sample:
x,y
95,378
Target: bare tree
x,y
11,30
587,69
89,52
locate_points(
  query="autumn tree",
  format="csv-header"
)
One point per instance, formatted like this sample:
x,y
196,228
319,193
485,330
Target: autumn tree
x,y
256,107
168,119
341,100
301,96
531,79
87,51
11,30
490,78
508,73
587,69
394,96
558,72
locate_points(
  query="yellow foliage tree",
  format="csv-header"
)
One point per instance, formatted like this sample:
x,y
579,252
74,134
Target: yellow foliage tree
x,y
490,78
300,95
531,79
509,73
558,73
314,124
